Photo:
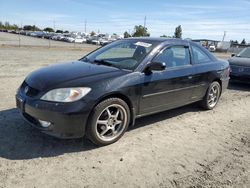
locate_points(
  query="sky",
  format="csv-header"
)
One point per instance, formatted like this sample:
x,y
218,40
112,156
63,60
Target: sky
x,y
199,19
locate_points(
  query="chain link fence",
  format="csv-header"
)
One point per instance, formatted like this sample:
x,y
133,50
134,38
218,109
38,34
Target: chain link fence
x,y
18,40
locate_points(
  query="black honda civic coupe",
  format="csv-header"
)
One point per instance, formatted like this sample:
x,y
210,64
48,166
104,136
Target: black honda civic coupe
x,y
101,94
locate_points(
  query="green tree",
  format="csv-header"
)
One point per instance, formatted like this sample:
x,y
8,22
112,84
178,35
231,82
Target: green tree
x,y
27,27
165,36
92,33
178,32
59,31
35,28
66,31
1,25
30,28
48,29
126,34
243,42
6,25
140,31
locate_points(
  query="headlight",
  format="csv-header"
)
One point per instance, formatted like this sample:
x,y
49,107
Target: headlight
x,y
66,94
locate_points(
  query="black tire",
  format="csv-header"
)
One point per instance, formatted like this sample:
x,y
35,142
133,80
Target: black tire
x,y
205,103
106,108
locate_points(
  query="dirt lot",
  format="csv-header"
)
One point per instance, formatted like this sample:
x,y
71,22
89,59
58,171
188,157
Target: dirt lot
x,y
185,147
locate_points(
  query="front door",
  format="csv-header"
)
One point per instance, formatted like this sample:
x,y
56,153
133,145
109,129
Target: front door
x,y
171,88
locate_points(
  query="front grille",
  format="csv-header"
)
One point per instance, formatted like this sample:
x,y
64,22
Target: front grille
x,y
29,91
239,69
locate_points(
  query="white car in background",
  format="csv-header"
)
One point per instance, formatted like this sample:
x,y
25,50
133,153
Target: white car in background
x,y
80,40
212,48
69,39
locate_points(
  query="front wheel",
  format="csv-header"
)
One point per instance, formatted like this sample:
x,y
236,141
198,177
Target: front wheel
x,y
212,96
108,122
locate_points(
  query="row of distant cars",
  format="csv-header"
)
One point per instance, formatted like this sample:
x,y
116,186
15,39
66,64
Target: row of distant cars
x,y
73,37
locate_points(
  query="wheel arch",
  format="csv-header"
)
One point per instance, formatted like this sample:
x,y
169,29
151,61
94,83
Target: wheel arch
x,y
219,81
121,96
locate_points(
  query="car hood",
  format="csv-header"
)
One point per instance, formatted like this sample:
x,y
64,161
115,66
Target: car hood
x,y
240,61
49,77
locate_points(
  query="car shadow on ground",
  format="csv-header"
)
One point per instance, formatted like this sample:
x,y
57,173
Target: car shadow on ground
x,y
233,85
20,141
161,116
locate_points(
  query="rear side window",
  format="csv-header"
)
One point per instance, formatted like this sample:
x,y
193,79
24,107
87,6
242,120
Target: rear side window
x,y
174,56
199,56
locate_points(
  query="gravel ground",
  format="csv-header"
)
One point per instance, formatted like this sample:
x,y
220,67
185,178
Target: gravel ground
x,y
185,147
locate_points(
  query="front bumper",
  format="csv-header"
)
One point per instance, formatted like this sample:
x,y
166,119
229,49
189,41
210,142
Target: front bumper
x,y
240,78
68,120
240,73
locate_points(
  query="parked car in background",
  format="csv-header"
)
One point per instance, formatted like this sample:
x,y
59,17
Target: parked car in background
x,y
104,41
240,66
103,93
49,35
68,39
38,34
79,39
95,40
212,48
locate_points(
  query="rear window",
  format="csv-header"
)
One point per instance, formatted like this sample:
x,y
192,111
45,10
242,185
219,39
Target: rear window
x,y
199,56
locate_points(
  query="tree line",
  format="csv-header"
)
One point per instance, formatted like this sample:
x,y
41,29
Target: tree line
x,y
141,31
8,26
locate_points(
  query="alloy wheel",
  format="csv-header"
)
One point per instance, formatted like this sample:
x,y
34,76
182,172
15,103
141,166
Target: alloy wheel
x,y
213,96
111,122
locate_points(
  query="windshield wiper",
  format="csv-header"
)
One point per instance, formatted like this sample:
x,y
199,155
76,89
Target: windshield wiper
x,y
102,62
85,59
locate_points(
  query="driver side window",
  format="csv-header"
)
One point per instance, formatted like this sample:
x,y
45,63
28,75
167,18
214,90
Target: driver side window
x,y
174,56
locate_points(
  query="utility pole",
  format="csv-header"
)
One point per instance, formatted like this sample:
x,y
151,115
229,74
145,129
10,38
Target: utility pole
x,y
19,35
145,19
224,36
54,25
85,26
144,25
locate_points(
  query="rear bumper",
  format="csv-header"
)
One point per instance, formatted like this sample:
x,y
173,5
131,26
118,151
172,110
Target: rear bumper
x,y
67,121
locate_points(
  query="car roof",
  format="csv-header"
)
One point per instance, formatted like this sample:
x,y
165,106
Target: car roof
x,y
160,40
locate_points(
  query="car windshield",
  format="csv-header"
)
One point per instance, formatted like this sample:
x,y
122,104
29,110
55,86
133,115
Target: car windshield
x,y
123,54
244,53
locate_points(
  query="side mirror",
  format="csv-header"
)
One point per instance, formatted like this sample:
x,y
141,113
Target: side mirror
x,y
155,66
233,54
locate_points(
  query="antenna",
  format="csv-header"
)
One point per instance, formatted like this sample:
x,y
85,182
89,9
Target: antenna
x,y
224,35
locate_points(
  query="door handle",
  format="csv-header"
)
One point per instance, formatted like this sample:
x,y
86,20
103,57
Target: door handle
x,y
190,77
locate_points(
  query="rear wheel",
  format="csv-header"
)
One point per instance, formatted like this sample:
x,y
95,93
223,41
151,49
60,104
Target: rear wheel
x,y
108,122
212,96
